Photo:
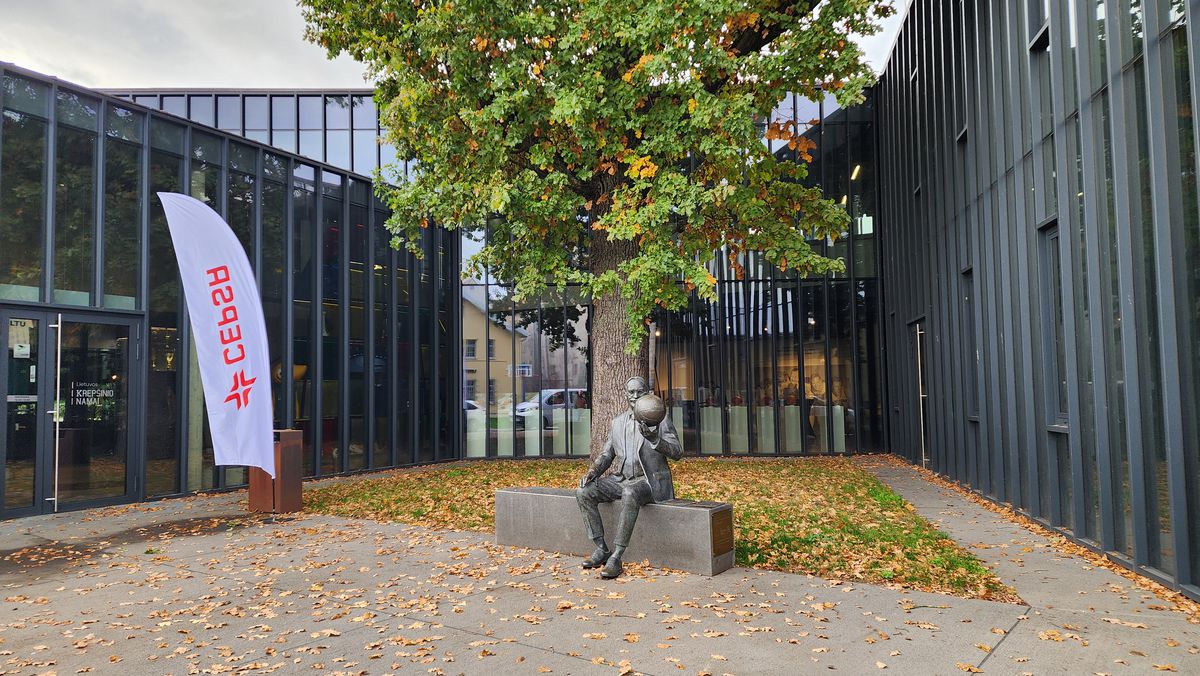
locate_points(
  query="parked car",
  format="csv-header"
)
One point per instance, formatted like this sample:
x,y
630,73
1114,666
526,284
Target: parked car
x,y
548,400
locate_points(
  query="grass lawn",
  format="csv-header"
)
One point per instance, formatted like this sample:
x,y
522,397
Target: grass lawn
x,y
819,516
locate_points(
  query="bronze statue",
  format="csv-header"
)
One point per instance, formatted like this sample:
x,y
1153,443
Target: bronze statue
x,y
639,443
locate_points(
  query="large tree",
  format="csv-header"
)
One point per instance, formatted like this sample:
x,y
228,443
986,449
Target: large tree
x,y
614,144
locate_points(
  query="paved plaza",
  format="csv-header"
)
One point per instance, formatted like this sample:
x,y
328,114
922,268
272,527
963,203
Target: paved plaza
x,y
196,586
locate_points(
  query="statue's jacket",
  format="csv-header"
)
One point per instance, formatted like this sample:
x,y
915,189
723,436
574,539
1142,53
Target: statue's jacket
x,y
651,456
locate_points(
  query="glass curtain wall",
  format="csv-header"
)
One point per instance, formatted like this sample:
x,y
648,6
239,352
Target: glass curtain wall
x,y
778,365
339,128
336,297
526,379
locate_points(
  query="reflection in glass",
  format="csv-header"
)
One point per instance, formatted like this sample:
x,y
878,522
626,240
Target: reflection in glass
x,y
337,148
283,122
364,112
475,369
332,339
681,337
94,432
527,422
274,243
312,144
359,359
23,412
365,147
22,204
311,115
24,95
501,402
304,281
229,114
201,110
405,453
122,203
74,215
175,105
205,185
868,414
337,112
424,304
791,423
843,417
162,384
760,334
816,411
578,410
709,377
257,115
382,346
735,331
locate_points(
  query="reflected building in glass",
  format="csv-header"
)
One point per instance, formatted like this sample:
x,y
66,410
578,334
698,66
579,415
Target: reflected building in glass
x,y
780,365
340,128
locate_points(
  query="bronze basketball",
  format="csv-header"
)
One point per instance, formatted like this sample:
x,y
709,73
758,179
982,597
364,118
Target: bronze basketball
x,y
649,409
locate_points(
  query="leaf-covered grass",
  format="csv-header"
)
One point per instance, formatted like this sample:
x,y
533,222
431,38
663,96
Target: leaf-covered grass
x,y
819,516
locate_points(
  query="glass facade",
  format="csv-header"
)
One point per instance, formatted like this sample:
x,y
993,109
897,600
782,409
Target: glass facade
x,y
340,128
1064,200
78,175
779,365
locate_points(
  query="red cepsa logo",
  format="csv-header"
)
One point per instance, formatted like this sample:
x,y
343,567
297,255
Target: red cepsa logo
x,y
229,331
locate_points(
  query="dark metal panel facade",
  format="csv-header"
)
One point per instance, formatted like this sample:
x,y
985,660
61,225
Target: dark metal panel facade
x,y
1038,171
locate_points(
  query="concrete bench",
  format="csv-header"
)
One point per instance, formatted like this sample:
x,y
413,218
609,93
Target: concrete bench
x,y
693,536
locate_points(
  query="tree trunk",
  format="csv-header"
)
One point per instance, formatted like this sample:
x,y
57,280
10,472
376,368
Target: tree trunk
x,y
612,366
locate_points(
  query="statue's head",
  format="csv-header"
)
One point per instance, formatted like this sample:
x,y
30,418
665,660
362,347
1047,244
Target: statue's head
x,y
635,387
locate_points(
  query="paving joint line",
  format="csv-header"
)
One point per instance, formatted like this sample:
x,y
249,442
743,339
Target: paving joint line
x,y
1016,623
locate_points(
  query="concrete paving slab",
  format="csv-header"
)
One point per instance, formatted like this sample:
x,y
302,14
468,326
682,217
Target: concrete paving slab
x,y
1082,618
172,588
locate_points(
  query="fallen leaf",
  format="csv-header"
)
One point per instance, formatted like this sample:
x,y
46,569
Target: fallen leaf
x,y
1123,623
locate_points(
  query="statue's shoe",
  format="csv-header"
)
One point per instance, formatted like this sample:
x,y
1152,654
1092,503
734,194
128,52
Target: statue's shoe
x,y
612,568
597,558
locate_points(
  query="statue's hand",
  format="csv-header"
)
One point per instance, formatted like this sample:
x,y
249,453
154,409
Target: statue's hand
x,y
648,432
586,479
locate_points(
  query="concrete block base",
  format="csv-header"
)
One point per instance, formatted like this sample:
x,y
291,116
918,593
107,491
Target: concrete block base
x,y
696,537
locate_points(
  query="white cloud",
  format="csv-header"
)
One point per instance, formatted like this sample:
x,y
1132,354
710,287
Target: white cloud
x,y
198,43
170,43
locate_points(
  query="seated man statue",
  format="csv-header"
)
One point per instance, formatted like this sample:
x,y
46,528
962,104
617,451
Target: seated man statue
x,y
637,452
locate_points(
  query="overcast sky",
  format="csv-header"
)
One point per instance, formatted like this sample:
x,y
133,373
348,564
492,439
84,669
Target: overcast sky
x,y
193,43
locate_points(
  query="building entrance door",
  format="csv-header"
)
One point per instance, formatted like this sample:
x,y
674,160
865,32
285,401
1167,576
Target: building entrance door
x,y
922,392
66,420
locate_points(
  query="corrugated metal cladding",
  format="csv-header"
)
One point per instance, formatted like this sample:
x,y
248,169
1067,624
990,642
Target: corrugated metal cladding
x,y
1042,264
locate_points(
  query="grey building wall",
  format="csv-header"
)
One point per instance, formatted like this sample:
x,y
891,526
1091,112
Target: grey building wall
x,y
1042,264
